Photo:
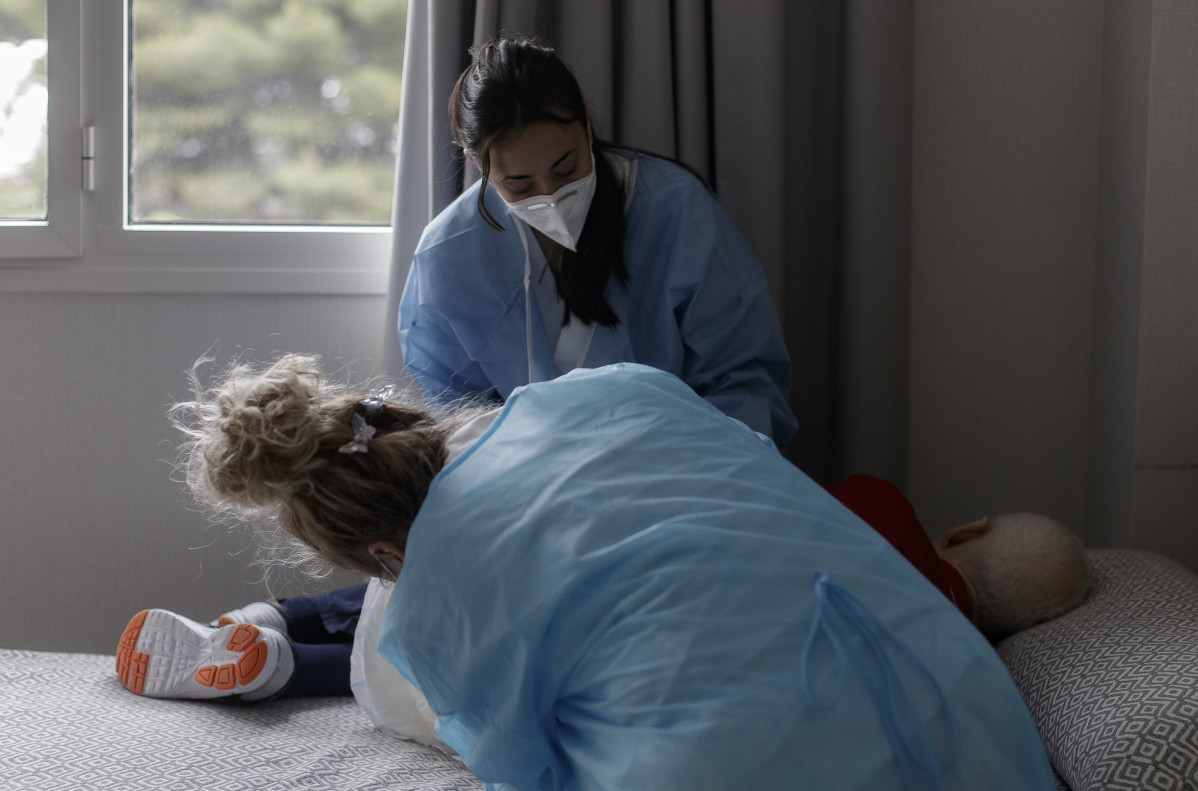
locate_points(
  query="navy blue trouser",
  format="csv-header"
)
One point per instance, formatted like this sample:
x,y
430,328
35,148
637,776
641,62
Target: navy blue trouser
x,y
322,630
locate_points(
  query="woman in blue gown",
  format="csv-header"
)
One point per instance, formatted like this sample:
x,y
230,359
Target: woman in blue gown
x,y
607,583
570,253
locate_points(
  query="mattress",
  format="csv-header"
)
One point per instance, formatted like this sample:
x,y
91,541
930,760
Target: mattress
x,y
69,724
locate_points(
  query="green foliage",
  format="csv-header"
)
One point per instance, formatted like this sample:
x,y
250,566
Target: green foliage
x,y
223,196
23,196
307,40
374,96
265,110
346,192
200,64
22,19
23,185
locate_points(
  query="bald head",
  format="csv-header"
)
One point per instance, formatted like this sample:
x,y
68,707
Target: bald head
x,y
1021,568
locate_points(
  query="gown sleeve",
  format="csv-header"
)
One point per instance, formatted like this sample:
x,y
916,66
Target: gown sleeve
x,y
734,354
433,353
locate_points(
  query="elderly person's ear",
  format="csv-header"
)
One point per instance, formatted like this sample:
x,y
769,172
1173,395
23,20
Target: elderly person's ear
x,y
962,533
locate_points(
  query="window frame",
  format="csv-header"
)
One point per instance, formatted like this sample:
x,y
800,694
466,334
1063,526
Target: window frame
x,y
60,235
111,254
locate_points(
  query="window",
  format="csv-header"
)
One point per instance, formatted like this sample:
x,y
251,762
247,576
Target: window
x,y
23,138
242,145
263,112
40,198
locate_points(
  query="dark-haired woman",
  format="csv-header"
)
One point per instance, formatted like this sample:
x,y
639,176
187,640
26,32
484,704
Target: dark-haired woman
x,y
569,253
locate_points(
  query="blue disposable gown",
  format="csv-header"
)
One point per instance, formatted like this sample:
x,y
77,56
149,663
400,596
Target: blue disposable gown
x,y
618,587
697,303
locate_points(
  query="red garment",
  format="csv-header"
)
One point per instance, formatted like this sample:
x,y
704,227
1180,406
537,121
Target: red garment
x,y
884,508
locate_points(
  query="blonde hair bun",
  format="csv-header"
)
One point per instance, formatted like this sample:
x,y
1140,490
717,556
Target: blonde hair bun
x,y
266,432
268,445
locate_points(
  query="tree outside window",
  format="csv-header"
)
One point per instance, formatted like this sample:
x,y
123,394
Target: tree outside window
x,y
23,141
264,111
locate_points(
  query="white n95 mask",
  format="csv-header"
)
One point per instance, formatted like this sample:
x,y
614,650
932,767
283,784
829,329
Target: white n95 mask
x,y
562,215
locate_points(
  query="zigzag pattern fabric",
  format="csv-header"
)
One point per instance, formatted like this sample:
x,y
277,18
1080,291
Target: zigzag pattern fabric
x,y
69,724
1113,685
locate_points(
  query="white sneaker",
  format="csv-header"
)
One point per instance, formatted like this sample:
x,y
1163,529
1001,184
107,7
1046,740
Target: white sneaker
x,y
164,655
259,613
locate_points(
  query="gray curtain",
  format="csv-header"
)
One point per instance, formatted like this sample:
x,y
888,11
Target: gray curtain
x,y
798,114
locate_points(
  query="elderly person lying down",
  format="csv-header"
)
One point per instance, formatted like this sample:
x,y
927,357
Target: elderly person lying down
x,y
1005,573
607,583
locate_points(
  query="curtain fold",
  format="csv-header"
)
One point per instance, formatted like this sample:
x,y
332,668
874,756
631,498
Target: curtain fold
x,y
874,267
752,97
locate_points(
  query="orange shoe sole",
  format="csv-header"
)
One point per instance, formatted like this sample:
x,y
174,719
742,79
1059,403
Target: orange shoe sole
x,y
132,666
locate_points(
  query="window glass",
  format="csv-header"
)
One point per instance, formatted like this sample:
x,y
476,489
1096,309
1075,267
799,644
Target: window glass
x,y
23,107
263,111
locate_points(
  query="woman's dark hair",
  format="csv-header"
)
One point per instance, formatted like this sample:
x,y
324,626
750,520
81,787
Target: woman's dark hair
x,y
515,82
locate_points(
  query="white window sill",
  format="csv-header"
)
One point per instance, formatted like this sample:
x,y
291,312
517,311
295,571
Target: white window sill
x,y
354,263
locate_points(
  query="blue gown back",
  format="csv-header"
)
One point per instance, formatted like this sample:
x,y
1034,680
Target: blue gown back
x,y
617,586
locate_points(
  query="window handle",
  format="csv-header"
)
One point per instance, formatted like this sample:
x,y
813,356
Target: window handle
x,y
89,158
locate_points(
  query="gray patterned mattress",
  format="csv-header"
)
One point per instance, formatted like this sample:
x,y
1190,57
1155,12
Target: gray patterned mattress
x,y
69,725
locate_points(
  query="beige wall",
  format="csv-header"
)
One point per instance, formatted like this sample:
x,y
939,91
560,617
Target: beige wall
x,y
1054,331
1006,103
1165,491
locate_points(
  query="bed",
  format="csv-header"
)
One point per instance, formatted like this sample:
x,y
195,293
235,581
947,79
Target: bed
x,y
1113,687
69,725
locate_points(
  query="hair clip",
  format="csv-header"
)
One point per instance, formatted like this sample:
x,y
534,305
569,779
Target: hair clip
x,y
378,398
363,431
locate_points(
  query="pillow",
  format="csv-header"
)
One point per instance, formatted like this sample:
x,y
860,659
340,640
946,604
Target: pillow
x,y
1113,685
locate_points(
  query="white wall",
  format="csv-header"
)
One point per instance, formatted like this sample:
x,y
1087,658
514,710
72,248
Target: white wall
x,y
93,527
